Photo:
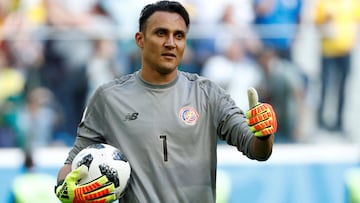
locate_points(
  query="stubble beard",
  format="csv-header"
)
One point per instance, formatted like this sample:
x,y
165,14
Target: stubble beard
x,y
165,70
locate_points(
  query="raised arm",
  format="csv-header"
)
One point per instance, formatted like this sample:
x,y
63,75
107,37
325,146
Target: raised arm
x,y
262,122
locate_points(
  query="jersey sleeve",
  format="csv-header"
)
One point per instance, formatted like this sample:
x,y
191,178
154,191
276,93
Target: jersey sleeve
x,y
229,119
90,130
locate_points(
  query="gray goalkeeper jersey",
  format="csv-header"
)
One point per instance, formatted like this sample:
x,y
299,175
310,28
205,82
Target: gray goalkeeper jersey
x,y
167,132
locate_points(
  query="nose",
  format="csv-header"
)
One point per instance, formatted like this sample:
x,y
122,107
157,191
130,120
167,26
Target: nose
x,y
170,42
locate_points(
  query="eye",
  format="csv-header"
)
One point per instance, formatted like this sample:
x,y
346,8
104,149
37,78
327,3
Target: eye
x,y
179,35
161,32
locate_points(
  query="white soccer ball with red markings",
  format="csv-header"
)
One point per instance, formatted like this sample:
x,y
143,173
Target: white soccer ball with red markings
x,y
104,159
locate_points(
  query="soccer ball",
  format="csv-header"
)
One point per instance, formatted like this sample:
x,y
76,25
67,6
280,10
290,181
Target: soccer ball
x,y
103,159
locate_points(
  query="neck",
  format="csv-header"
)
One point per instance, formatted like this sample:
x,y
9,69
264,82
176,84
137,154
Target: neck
x,y
157,78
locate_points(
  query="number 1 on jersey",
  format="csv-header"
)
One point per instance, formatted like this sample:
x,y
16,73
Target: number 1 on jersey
x,y
164,141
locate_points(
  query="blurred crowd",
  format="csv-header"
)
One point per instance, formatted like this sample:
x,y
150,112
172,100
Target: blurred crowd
x,y
54,53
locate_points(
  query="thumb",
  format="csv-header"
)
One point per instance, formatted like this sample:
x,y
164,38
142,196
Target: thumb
x,y
79,173
83,171
252,97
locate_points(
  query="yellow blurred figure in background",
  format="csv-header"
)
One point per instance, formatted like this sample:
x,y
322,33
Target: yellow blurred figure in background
x,y
32,186
338,22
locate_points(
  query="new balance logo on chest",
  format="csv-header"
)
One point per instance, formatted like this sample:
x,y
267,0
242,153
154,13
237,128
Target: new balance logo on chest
x,y
131,116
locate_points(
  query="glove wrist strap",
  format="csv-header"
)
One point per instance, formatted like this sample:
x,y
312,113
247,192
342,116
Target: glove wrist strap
x,y
263,137
58,184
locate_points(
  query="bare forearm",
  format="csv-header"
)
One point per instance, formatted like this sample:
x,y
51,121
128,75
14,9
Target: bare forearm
x,y
261,148
63,172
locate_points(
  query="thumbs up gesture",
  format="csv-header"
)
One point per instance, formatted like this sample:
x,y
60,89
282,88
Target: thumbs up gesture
x,y
261,117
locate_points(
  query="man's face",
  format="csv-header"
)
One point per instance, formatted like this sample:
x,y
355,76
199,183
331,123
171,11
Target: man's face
x,y
162,42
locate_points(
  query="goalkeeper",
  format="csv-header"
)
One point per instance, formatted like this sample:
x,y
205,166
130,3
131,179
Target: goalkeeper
x,y
166,122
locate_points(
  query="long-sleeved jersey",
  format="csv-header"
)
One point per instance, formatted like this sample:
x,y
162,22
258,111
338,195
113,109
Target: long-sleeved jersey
x,y
167,132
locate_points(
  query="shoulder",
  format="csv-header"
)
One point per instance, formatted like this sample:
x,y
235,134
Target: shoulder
x,y
189,76
114,87
194,77
121,80
117,83
207,85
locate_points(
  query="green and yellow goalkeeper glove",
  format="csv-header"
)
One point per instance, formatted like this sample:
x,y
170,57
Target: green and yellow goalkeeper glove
x,y
261,117
96,191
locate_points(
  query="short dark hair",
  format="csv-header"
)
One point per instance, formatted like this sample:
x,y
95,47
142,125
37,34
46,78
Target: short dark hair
x,y
169,6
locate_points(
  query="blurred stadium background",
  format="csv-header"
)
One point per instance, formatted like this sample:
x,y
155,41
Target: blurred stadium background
x,y
296,173
311,169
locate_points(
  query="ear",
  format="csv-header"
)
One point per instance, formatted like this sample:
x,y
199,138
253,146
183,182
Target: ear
x,y
139,39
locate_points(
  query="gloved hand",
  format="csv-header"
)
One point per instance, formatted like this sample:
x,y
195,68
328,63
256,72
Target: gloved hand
x,y
97,191
261,117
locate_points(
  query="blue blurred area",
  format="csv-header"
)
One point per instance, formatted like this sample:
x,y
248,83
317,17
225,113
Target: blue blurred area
x,y
288,183
295,174
7,175
313,183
